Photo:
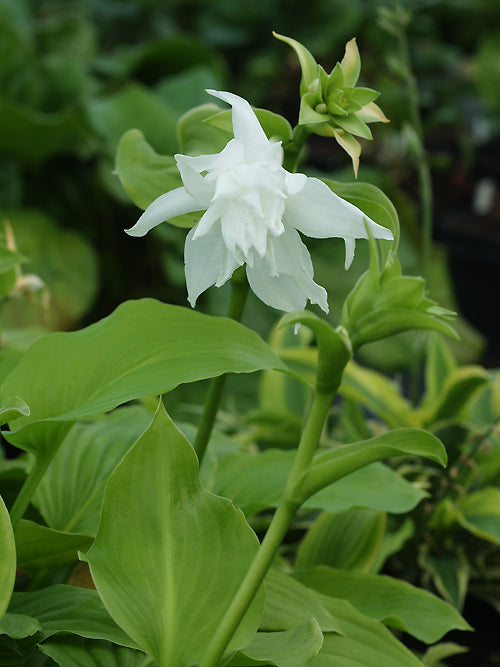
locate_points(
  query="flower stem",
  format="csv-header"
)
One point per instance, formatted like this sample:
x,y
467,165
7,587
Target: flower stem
x,y
423,168
239,292
276,532
32,481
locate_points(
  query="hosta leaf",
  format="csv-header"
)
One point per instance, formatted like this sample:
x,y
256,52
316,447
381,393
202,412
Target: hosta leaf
x,y
275,126
70,494
256,482
392,601
198,137
479,513
39,547
69,609
347,540
360,641
169,557
33,136
384,322
134,106
8,559
19,635
334,464
450,573
377,393
118,359
290,648
459,387
71,651
372,201
16,408
288,604
144,173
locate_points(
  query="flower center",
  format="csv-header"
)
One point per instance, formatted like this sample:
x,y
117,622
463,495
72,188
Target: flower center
x,y
250,200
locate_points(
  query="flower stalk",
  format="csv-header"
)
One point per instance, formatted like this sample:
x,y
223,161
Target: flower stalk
x,y
278,528
237,300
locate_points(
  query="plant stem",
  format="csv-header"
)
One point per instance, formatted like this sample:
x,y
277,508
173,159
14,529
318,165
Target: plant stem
x,y
32,481
239,292
277,530
294,147
423,168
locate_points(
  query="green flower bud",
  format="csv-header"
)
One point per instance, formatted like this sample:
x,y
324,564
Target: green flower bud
x,y
385,302
331,105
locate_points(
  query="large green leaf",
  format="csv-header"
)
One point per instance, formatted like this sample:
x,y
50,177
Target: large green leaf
x,y
33,136
450,573
69,609
39,547
457,390
8,559
256,482
145,175
198,137
143,348
134,106
67,264
289,648
439,364
70,495
71,651
347,540
479,513
393,601
372,201
362,642
339,462
275,126
288,604
350,637
169,557
186,90
19,635
377,393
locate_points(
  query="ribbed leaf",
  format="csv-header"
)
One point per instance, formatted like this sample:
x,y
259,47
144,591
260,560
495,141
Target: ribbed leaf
x,y
290,648
8,559
256,482
143,348
69,609
71,651
393,601
347,540
169,556
341,461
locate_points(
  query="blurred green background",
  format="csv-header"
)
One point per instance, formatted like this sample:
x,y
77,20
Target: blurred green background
x,y
75,75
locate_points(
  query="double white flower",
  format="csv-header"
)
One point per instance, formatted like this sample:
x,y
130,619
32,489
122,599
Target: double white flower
x,y
254,211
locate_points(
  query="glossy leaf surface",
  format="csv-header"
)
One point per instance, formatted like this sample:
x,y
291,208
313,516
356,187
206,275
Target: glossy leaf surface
x,y
143,348
169,556
8,559
389,600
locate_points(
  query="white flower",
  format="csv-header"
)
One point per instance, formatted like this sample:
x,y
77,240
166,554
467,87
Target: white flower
x,y
254,211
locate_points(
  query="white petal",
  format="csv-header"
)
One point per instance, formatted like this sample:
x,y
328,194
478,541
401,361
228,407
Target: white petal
x,y
350,246
207,220
231,155
318,212
294,284
206,262
196,185
175,202
246,127
294,182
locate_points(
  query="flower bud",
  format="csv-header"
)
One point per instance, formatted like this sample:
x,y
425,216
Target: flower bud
x,y
331,104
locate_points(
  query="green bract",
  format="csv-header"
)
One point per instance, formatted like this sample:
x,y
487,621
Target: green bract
x,y
331,105
384,302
